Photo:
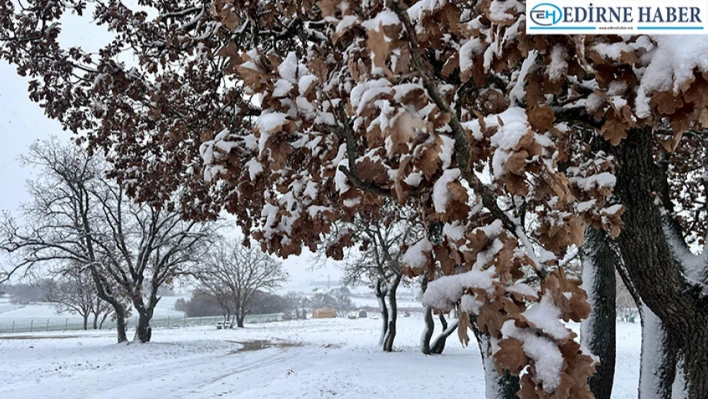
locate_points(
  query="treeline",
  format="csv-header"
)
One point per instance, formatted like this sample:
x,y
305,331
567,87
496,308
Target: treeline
x,y
202,304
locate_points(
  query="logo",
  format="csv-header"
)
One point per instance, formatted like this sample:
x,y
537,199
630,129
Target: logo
x,y
616,17
546,14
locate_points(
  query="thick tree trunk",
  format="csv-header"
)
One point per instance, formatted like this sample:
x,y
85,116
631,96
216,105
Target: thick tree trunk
x,y
393,316
120,323
143,331
657,272
105,293
85,317
598,332
240,315
497,386
227,316
693,367
658,363
95,321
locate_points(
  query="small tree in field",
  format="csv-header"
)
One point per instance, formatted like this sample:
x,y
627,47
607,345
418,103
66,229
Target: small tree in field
x,y
233,272
296,303
75,292
378,262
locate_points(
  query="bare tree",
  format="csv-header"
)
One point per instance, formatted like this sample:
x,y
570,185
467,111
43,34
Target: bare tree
x,y
221,295
296,303
79,217
379,260
73,292
145,249
62,221
236,271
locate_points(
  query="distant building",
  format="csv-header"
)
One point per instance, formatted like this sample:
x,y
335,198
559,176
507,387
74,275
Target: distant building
x,y
324,313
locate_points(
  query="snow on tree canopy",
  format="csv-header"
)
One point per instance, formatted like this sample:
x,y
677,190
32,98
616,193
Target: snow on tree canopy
x,y
673,63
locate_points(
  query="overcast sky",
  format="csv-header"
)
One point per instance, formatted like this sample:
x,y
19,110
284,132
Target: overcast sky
x,y
23,121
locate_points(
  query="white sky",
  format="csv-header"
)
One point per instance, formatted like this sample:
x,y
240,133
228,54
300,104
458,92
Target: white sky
x,y
23,121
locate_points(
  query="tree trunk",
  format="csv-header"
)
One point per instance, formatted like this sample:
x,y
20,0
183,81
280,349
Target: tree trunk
x,y
240,315
393,316
598,332
120,323
658,362
227,317
381,297
95,321
85,317
427,332
429,323
648,249
103,319
439,343
497,386
693,367
143,331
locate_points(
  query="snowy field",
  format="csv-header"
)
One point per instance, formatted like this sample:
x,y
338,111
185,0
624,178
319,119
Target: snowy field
x,y
46,310
42,316
332,358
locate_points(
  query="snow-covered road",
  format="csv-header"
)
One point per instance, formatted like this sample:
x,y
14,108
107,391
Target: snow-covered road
x,y
298,359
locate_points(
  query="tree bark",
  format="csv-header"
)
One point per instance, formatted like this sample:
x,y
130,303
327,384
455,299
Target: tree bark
x,y
656,271
104,292
103,319
393,316
598,332
85,317
504,386
658,362
120,323
428,318
439,343
694,367
381,296
240,315
143,331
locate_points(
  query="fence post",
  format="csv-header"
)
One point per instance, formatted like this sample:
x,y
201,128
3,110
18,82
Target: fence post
x,y
13,326
31,324
66,323
47,324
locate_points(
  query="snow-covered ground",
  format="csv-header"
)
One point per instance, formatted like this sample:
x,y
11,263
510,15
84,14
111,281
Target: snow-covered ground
x,y
329,358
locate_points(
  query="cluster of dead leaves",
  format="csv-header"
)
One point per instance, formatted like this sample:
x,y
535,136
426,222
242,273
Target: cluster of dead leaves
x,y
577,367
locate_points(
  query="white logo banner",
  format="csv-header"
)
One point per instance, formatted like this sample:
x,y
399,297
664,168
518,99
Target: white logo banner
x,y
607,17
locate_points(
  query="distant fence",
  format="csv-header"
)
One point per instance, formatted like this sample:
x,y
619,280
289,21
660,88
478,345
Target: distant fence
x,y
74,324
